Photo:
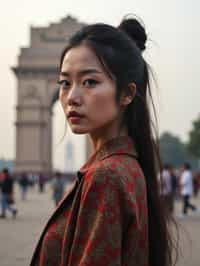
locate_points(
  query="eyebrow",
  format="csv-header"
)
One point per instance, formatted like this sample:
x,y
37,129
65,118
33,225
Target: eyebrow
x,y
83,72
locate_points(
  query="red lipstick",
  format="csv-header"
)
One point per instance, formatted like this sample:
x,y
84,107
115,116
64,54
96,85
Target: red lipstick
x,y
74,117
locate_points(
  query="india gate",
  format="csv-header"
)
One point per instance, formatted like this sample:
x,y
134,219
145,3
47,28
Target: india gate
x,y
37,91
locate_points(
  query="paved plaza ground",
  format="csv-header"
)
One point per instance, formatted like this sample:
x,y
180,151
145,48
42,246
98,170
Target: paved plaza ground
x,y
18,237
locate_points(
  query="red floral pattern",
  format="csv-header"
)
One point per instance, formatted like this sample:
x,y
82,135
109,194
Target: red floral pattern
x,y
103,221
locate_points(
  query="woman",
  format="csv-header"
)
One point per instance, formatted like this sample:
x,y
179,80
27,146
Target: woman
x,y
113,215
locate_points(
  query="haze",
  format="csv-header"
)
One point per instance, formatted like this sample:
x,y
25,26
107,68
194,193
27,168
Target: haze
x,y
173,50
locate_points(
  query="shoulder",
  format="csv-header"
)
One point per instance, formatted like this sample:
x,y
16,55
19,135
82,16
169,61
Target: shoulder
x,y
117,165
121,171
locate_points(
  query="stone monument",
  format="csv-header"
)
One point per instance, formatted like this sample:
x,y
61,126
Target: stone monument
x,y
37,91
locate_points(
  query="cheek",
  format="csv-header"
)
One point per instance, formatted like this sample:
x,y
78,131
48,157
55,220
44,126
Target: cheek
x,y
104,107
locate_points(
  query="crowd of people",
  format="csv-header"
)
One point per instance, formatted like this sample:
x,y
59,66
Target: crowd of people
x,y
175,184
179,184
27,182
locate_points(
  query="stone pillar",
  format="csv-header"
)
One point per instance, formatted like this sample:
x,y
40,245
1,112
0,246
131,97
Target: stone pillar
x,y
33,139
33,124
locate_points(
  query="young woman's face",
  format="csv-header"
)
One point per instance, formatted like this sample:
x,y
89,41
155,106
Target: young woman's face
x,y
87,94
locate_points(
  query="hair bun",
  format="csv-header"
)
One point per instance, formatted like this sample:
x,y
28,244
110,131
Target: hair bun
x,y
135,31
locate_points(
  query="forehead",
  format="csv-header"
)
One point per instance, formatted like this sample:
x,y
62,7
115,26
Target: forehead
x,y
80,57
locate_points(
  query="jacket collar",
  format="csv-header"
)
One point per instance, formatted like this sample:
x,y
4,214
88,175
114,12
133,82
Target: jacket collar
x,y
120,145
116,146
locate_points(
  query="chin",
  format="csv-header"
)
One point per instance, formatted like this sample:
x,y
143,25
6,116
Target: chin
x,y
78,131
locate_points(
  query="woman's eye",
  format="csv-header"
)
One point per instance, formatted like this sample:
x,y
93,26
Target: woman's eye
x,y
90,82
64,83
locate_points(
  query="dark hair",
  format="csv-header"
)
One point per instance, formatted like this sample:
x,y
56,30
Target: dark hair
x,y
166,166
187,166
58,174
119,50
5,171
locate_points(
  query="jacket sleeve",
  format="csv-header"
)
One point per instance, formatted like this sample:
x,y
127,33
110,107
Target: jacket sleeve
x,y
99,229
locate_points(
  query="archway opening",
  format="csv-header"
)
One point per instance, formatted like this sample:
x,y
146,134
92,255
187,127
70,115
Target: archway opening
x,y
68,149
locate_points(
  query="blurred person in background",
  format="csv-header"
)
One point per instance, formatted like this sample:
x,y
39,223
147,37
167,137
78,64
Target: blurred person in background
x,y
1,178
1,182
41,182
57,185
186,187
7,197
32,180
166,188
174,184
24,184
196,183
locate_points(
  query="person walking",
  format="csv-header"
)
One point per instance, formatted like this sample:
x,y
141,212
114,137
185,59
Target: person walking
x,y
41,182
24,185
57,186
166,188
7,195
186,187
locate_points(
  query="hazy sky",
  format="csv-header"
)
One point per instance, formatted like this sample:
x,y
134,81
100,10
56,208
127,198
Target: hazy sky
x,y
173,51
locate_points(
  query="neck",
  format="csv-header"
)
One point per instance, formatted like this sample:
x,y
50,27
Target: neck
x,y
103,136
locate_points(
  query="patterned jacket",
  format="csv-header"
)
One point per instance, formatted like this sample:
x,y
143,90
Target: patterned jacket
x,y
103,221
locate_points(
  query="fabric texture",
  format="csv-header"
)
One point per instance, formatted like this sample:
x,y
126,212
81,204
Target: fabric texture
x,y
103,221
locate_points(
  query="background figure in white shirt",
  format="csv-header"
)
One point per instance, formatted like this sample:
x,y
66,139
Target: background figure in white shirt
x,y
186,184
166,188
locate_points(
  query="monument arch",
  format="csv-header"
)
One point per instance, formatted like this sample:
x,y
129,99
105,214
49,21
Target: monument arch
x,y
37,91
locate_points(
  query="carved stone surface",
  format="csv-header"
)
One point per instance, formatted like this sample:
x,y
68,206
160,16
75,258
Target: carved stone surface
x,y
37,74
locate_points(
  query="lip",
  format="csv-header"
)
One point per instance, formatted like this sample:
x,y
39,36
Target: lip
x,y
74,114
74,117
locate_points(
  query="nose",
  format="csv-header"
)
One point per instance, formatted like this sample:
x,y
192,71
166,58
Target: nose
x,y
74,96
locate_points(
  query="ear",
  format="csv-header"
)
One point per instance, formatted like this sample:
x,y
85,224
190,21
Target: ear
x,y
128,94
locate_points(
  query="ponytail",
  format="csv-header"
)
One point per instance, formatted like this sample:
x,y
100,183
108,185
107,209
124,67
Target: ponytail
x,y
139,128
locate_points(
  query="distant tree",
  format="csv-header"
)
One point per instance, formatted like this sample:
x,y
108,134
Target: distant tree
x,y
171,149
194,138
174,151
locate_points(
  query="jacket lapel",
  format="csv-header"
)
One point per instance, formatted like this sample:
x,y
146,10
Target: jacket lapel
x,y
69,194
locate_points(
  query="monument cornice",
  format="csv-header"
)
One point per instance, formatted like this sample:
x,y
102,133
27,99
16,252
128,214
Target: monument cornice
x,y
45,38
30,123
33,107
35,71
